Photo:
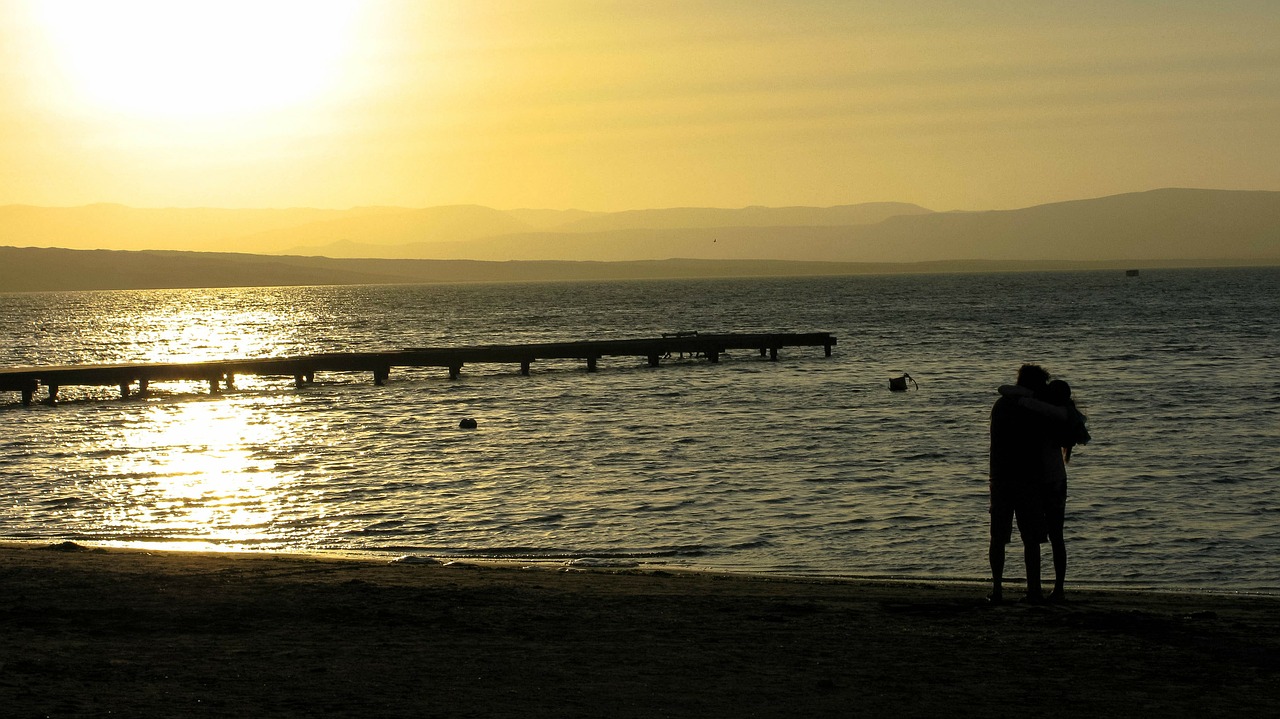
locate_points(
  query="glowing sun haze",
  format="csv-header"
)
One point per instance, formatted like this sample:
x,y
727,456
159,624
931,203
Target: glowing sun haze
x,y
161,59
621,105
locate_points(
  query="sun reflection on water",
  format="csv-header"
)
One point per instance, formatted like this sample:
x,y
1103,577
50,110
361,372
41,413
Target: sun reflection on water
x,y
197,470
172,335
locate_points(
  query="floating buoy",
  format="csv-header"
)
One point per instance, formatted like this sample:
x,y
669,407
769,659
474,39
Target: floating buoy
x,y
899,384
467,423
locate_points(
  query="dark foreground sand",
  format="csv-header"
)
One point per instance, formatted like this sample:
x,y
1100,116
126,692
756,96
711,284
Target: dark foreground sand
x,y
133,634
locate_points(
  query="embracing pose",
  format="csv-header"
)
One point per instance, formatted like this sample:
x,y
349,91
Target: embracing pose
x,y
1066,429
1053,426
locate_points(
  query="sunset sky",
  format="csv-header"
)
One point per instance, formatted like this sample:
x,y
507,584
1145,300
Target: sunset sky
x,y
621,105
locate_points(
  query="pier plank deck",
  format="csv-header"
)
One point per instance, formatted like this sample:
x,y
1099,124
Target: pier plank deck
x,y
222,373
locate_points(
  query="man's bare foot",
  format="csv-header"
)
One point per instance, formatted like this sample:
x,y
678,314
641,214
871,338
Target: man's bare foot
x,y
1057,596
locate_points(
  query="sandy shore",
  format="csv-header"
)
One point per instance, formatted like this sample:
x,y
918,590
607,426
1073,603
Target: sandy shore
x,y
137,634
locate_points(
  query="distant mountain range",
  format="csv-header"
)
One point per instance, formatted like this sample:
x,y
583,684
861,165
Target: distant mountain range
x,y
467,243
1168,224
28,269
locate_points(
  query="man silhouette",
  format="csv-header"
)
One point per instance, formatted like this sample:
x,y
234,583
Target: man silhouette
x,y
1017,483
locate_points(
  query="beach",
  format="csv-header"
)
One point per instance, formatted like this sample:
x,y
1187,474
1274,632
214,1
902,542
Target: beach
x,y
97,632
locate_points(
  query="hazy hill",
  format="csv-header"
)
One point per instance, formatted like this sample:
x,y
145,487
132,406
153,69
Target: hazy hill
x,y
550,219
816,244
434,224
706,217
53,269
372,231
26,269
567,235
1162,224
107,226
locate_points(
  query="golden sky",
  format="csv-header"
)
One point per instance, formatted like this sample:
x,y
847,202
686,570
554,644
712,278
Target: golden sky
x,y
622,105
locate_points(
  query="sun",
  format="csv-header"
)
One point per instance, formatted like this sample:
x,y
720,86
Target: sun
x,y
191,59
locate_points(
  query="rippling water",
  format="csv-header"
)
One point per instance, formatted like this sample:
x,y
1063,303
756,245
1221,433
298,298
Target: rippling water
x,y
808,465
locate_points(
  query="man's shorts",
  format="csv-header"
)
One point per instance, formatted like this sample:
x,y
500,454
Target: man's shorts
x,y
1010,501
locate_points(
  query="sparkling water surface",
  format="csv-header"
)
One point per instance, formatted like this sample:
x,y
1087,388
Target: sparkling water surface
x,y
808,465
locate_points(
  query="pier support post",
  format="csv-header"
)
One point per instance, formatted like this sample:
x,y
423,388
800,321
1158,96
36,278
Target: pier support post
x,y
298,381
713,356
28,394
310,377
763,351
524,368
381,375
213,385
653,360
827,347
143,384
124,391
231,380
591,364
773,354
53,394
454,371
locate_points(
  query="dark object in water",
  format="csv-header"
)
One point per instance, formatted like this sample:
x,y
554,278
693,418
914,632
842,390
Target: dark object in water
x,y
1130,273
467,423
899,384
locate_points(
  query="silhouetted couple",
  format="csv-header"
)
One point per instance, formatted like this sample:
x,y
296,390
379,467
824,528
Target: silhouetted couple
x,y
1034,425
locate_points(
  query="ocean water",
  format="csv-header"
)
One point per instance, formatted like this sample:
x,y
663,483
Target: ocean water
x,y
806,466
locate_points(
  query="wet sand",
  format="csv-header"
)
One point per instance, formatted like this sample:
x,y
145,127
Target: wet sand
x,y
151,634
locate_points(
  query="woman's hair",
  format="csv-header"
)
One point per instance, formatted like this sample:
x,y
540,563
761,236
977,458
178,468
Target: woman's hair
x,y
1058,392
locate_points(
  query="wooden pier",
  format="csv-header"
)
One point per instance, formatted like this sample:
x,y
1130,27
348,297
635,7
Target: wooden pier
x,y
222,373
